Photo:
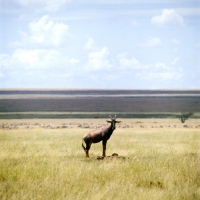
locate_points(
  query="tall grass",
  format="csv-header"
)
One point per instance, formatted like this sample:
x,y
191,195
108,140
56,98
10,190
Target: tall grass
x,y
50,164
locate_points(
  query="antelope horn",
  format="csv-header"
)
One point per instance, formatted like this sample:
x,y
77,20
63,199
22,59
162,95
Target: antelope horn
x,y
113,118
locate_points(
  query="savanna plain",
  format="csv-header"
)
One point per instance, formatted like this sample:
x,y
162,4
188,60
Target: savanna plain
x,y
157,159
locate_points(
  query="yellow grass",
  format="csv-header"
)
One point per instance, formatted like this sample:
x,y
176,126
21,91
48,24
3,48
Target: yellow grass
x,y
153,163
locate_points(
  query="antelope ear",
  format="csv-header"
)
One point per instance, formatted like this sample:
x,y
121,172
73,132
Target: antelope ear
x,y
109,121
117,121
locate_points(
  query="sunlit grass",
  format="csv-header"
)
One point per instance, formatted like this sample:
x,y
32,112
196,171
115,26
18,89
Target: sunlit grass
x,y
50,164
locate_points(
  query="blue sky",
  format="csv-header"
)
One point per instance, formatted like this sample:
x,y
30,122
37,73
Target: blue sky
x,y
132,44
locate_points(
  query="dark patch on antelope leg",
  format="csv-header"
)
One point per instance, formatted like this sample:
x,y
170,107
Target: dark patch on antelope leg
x,y
104,148
87,150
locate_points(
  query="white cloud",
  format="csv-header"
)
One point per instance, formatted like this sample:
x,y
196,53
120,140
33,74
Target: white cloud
x,y
45,33
161,73
169,17
34,59
164,76
37,58
98,60
4,61
160,76
45,45
74,61
89,43
29,57
126,63
160,65
151,42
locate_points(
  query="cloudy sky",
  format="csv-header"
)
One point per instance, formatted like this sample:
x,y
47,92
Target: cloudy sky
x,y
133,44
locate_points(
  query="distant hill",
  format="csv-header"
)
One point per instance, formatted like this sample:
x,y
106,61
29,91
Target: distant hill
x,y
96,92
96,101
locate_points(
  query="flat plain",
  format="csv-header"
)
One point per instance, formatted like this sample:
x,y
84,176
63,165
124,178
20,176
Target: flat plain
x,y
158,159
97,103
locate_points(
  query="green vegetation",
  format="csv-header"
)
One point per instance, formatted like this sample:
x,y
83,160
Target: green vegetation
x,y
50,164
185,116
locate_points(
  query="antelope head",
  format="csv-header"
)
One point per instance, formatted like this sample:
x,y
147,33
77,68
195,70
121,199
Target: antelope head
x,y
113,122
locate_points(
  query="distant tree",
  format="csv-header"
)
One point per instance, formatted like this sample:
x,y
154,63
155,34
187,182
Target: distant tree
x,y
185,116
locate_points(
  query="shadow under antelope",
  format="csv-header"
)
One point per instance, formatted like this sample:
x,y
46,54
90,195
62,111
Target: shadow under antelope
x,y
102,134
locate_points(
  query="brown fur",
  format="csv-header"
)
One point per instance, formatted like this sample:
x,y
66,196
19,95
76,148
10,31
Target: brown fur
x,y
102,134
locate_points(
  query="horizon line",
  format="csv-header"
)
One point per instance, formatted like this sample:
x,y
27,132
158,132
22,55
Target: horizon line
x,y
46,89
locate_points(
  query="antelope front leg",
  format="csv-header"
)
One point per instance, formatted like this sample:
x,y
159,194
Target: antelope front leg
x,y
87,153
104,149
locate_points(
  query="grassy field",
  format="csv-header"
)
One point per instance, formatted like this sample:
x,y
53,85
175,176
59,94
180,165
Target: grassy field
x,y
161,163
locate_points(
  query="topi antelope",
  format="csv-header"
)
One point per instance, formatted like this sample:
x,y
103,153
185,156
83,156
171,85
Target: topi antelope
x,y
102,134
